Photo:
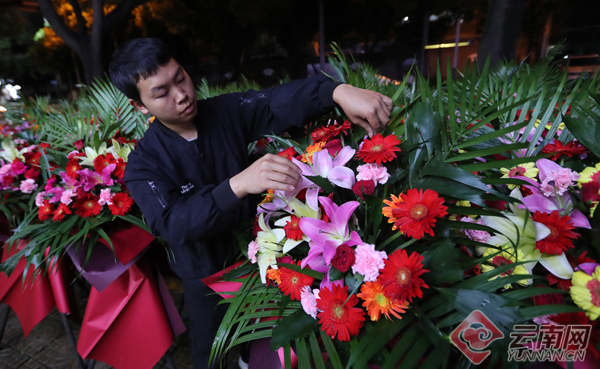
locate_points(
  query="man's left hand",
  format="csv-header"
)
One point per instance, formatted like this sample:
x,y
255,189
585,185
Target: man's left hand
x,y
368,109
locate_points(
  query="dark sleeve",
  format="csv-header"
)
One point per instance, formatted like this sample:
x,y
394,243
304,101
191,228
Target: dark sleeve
x,y
277,109
184,219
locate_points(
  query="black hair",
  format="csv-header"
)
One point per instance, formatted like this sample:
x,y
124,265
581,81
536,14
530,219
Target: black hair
x,y
137,59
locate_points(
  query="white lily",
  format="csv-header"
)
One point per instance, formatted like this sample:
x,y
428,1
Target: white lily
x,y
119,151
9,151
521,231
301,210
269,248
91,154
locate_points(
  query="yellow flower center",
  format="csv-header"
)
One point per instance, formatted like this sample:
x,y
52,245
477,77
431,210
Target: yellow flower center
x,y
403,276
381,299
376,148
418,212
338,311
294,280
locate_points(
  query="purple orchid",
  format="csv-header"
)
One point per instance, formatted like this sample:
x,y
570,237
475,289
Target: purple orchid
x,y
326,237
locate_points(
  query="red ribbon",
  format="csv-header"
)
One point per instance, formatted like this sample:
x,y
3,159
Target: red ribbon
x,y
33,300
126,325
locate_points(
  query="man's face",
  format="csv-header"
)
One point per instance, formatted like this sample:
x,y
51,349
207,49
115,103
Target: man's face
x,y
169,95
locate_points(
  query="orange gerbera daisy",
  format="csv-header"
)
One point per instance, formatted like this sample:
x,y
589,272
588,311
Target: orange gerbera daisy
x,y
418,212
87,206
292,282
60,212
561,233
400,276
274,275
268,197
121,203
377,303
339,317
310,151
379,149
388,210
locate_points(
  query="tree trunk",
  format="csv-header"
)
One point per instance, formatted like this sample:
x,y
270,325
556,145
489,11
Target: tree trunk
x,y
501,33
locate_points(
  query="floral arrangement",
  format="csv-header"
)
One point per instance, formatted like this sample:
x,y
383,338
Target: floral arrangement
x,y
486,209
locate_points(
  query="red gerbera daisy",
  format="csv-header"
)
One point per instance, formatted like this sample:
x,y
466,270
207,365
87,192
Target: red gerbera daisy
x,y
45,211
33,158
120,168
292,229
102,161
60,212
563,284
87,205
339,317
288,153
400,276
570,149
72,168
292,282
418,212
324,134
121,203
379,149
561,234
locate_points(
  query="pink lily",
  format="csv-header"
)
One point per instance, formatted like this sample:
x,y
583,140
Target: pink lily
x,y
92,178
325,166
70,183
326,237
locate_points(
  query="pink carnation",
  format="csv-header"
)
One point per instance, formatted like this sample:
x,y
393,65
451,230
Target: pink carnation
x,y
5,169
368,262
558,182
28,186
252,251
66,196
309,301
372,172
39,199
18,167
105,197
476,235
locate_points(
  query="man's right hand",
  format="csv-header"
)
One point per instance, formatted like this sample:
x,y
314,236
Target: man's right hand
x,y
269,172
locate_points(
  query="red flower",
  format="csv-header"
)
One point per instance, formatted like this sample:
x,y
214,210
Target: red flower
x,y
87,206
498,205
578,319
59,213
339,317
292,229
400,276
548,299
33,158
78,144
256,227
102,161
32,173
418,212
344,258
379,149
7,180
363,187
288,153
589,191
74,154
570,149
333,147
559,239
563,284
18,167
292,282
121,203
323,134
45,211
72,168
119,171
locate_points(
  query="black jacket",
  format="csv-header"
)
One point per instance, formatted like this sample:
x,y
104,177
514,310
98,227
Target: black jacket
x,y
183,187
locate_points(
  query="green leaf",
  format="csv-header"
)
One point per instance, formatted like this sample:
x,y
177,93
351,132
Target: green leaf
x,y
331,350
335,274
240,271
487,152
586,129
308,272
502,163
316,351
321,182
